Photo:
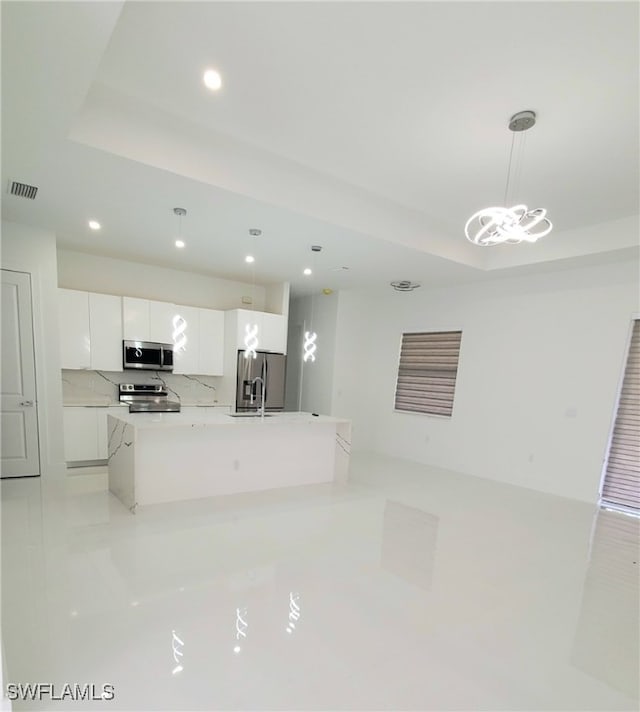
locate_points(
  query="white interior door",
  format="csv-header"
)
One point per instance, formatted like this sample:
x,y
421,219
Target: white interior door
x,y
20,454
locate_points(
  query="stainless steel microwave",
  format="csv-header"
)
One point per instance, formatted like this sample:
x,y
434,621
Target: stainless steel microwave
x,y
147,355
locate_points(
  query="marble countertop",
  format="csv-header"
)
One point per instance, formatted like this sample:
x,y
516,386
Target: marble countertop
x,y
172,420
99,402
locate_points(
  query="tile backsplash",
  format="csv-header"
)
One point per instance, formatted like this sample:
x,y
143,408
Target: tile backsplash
x,y
91,387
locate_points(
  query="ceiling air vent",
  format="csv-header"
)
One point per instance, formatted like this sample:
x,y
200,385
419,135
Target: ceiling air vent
x,y
404,286
22,190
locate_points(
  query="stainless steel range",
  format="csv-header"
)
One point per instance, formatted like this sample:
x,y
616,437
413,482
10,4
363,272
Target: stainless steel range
x,y
147,398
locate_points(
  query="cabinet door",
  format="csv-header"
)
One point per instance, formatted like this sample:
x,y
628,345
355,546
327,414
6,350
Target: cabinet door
x,y
187,341
80,434
75,336
274,333
244,318
211,346
105,321
161,316
135,319
272,330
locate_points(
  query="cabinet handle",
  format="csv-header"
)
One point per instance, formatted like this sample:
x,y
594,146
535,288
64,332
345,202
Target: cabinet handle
x,y
27,403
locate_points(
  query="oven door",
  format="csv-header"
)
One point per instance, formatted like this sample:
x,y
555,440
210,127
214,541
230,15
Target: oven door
x,y
141,354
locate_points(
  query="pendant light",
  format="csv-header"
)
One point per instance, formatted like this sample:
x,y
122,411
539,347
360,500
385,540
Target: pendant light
x,y
310,337
179,323
251,341
493,226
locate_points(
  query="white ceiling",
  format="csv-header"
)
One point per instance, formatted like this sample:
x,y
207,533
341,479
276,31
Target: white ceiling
x,y
373,129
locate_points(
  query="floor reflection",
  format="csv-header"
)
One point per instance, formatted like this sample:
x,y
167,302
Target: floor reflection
x,y
606,640
475,595
409,543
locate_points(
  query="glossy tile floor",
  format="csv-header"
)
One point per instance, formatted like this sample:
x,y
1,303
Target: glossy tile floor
x,y
408,588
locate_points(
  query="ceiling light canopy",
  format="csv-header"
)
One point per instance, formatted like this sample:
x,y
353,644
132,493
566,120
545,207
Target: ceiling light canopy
x,y
212,79
404,285
493,226
94,225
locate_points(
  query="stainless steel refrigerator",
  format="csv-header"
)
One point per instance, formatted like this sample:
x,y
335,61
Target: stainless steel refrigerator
x,y
271,368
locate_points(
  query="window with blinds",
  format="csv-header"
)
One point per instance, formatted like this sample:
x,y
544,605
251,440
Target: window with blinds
x,y
621,485
427,372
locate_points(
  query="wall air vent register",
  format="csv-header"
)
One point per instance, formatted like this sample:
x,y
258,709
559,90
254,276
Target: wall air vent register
x,y
22,190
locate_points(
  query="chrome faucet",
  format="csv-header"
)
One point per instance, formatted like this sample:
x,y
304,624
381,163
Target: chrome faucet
x,y
253,385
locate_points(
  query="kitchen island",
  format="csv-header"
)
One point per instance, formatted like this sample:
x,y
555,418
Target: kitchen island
x,y
167,457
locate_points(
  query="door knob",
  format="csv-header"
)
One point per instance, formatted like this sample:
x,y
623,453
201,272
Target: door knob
x,y
27,403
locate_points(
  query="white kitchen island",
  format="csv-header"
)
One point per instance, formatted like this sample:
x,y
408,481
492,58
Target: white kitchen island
x,y
167,457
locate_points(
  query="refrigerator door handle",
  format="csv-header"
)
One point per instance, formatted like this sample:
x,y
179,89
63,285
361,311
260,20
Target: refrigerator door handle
x,y
264,381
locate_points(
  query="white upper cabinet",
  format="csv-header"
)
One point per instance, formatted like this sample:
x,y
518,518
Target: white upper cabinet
x,y
105,326
75,334
186,341
274,333
161,316
148,320
135,319
272,330
92,327
198,341
90,330
211,346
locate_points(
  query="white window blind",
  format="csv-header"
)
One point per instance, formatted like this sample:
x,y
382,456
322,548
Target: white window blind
x,y
621,484
427,372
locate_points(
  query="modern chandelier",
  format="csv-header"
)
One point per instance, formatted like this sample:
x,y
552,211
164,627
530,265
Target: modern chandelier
x,y
493,226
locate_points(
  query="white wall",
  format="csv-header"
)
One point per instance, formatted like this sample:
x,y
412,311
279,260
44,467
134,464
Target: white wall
x,y
93,273
28,249
309,385
277,299
540,362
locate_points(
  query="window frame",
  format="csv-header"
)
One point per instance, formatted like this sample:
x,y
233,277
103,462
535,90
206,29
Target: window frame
x,y
604,503
445,416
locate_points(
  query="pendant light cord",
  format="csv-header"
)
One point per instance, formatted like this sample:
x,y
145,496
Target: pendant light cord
x,y
506,188
519,164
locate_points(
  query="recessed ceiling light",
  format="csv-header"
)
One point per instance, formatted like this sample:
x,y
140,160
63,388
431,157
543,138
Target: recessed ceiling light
x,y
94,225
212,79
249,258
307,271
180,243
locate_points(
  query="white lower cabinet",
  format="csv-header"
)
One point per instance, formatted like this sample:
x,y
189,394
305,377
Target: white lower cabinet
x,y
80,434
85,432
